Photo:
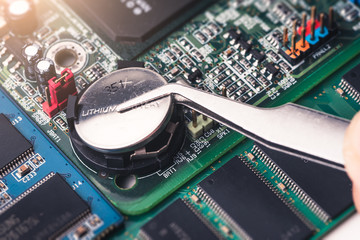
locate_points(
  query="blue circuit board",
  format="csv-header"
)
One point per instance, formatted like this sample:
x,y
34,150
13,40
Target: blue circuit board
x,y
48,159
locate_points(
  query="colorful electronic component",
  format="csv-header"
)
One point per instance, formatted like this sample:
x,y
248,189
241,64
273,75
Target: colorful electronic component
x,y
58,91
313,33
263,53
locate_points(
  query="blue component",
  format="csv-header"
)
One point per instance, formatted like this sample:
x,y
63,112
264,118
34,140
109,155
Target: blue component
x,y
355,1
318,35
321,35
312,42
55,162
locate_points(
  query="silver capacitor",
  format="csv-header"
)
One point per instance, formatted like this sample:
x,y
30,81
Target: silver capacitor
x,y
45,70
31,52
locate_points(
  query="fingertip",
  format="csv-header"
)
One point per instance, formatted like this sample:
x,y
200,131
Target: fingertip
x,y
356,196
351,149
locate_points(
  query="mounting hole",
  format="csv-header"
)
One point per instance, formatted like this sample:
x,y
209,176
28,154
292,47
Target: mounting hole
x,y
67,54
125,182
65,58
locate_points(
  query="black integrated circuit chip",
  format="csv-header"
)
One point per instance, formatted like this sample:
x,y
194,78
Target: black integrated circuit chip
x,y
14,147
177,222
131,20
249,202
127,64
140,23
45,211
328,187
352,78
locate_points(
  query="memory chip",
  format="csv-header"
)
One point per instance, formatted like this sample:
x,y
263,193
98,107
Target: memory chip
x,y
351,80
43,212
328,187
140,23
14,147
177,221
251,204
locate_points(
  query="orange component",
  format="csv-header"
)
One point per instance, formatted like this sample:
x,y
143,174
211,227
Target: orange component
x,y
298,49
292,54
301,48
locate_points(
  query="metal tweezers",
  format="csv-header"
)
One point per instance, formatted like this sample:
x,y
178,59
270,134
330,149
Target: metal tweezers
x,y
290,128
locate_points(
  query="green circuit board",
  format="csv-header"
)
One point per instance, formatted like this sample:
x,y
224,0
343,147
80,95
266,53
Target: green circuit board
x,y
323,97
260,76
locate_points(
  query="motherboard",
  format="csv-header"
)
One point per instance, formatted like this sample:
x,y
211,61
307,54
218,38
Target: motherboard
x,y
72,167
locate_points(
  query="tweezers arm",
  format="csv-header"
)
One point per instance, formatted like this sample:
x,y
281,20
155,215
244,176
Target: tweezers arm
x,y
289,128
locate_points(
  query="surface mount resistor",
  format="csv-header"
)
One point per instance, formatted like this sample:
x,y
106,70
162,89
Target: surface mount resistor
x,y
340,92
251,156
195,199
282,187
226,230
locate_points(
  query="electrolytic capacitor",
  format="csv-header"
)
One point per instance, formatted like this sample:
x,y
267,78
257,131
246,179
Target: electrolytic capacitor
x,y
45,70
31,52
21,17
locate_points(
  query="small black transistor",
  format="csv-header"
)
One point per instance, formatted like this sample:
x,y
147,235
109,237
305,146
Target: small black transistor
x,y
259,56
195,76
271,68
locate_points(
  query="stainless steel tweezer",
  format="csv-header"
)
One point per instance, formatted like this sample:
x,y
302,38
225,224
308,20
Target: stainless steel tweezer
x,y
290,128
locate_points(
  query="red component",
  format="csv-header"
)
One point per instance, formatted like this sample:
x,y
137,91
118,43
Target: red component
x,y
308,27
59,89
